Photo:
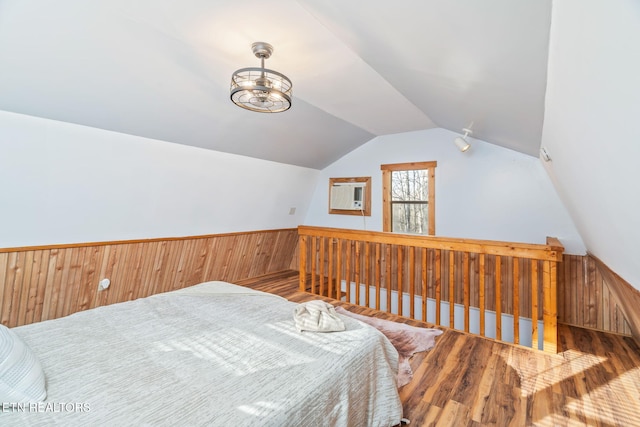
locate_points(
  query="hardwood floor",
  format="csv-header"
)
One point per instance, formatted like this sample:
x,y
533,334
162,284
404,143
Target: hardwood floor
x,y
472,381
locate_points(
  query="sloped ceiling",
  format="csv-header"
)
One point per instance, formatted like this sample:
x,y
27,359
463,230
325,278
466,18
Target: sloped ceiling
x,y
592,105
161,69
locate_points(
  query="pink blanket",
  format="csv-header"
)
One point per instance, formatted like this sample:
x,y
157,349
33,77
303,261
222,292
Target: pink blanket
x,y
405,338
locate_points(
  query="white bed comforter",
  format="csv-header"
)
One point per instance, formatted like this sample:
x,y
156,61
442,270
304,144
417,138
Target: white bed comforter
x,y
214,354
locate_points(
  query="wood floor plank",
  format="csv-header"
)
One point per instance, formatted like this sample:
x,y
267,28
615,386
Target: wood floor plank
x,y
467,380
471,374
447,370
416,389
426,414
484,389
454,413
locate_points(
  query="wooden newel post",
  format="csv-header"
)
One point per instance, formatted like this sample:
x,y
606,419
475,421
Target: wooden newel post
x,y
550,307
550,296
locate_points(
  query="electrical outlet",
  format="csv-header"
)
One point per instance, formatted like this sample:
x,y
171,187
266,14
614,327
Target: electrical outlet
x,y
103,284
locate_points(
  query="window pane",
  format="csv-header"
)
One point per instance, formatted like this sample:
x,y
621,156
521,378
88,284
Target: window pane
x,y
409,218
410,185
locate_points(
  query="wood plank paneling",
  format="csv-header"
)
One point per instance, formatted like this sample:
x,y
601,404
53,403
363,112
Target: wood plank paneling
x,y
585,298
48,282
623,294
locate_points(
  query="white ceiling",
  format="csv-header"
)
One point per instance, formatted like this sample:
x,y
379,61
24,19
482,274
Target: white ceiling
x,y
161,69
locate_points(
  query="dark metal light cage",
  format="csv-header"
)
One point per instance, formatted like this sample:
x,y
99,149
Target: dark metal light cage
x,y
260,89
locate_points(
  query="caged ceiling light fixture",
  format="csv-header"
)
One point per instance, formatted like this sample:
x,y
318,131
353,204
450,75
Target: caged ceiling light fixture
x,y
260,89
461,141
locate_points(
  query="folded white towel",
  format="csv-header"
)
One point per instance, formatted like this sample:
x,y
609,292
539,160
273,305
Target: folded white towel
x,y
317,316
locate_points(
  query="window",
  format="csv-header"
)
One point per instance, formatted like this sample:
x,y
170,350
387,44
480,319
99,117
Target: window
x,y
408,198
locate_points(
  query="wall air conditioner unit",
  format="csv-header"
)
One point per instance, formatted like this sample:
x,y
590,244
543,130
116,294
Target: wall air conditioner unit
x,y
347,196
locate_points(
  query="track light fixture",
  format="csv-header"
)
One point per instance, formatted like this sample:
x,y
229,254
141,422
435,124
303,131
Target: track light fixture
x,y
461,141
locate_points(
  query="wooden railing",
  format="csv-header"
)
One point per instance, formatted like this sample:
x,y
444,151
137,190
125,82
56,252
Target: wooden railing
x,y
478,282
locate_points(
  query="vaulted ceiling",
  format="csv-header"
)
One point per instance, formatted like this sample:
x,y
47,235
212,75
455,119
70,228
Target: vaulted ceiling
x,y
161,69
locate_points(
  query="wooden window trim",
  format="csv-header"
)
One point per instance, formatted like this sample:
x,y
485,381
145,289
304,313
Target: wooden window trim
x,y
386,191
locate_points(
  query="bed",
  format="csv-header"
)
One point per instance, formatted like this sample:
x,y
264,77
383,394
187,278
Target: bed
x,y
211,354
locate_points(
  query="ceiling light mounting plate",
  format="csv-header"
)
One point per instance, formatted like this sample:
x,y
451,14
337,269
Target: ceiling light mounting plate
x,y
262,50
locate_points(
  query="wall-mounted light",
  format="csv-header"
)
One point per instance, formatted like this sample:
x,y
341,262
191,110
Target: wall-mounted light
x,y
461,141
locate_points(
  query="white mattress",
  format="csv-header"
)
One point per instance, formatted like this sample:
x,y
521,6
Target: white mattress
x,y
214,354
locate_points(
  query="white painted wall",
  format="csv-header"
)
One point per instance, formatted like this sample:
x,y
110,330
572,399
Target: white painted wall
x,y
65,183
489,192
591,125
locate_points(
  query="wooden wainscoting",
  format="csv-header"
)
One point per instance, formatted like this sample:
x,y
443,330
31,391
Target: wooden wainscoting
x,y
584,298
47,282
627,296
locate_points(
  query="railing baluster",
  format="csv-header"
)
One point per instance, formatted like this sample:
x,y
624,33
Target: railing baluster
x,y
465,266
438,283
322,266
347,264
425,289
302,247
481,295
378,275
330,272
534,303
388,277
498,292
516,300
400,250
452,291
367,273
412,281
357,270
314,266
338,290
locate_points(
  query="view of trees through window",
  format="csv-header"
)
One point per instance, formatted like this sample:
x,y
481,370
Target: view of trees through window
x,y
410,201
409,197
